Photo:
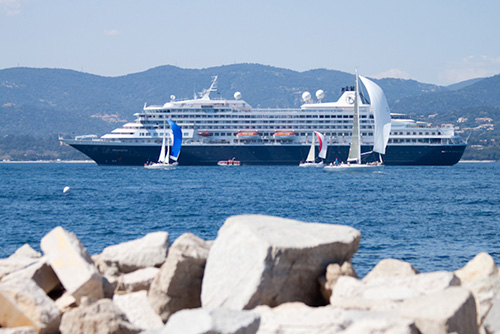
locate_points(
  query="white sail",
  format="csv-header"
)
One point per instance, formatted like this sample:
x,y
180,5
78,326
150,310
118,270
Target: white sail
x,y
161,158
355,149
381,115
311,157
322,145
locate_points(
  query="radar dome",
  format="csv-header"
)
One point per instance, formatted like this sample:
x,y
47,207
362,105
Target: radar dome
x,y
237,95
320,94
172,97
306,96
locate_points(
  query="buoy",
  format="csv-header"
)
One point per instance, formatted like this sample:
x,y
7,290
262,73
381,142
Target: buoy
x,y
66,189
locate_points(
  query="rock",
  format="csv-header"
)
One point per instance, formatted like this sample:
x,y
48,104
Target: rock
x,y
451,310
18,330
138,280
40,272
148,251
65,302
333,272
136,307
22,257
492,320
386,293
214,321
391,268
382,323
178,284
482,277
72,264
291,318
263,260
24,303
100,317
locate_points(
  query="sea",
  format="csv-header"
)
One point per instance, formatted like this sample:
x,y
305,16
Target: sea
x,y
435,217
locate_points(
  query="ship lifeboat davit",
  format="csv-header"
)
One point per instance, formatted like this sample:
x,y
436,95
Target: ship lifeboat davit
x,y
284,135
204,133
247,135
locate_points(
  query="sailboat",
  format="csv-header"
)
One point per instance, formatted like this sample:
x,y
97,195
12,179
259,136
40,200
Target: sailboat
x,y
165,153
382,119
311,157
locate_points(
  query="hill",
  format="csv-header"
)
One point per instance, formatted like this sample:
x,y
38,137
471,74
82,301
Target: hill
x,y
39,103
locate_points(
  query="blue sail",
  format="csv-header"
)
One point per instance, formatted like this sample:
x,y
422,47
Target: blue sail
x,y
177,134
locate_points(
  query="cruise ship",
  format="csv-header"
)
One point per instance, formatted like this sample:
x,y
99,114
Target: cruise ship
x,y
222,129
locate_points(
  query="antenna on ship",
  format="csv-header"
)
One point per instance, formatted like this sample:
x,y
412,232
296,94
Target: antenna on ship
x,y
213,88
306,96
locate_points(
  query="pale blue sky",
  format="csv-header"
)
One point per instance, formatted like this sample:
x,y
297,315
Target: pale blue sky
x,y
432,41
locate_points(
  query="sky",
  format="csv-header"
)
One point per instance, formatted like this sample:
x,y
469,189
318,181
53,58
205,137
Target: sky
x,y
432,41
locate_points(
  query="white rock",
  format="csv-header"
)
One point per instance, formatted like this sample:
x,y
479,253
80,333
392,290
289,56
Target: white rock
x,y
482,277
293,318
40,272
140,279
214,321
386,293
18,330
452,310
391,268
333,272
23,257
382,323
136,307
101,317
263,260
72,264
24,303
178,284
148,251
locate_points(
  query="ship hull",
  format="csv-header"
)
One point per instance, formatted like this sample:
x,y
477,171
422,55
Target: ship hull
x,y
208,154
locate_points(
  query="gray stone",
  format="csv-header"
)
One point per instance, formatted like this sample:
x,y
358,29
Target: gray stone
x,y
100,317
178,284
24,303
136,307
148,251
72,264
263,260
214,321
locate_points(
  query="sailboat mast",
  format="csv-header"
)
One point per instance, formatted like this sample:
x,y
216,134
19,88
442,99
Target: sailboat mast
x,y
355,149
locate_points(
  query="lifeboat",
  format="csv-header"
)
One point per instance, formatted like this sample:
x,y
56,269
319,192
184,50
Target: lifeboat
x,y
284,135
247,135
204,133
231,162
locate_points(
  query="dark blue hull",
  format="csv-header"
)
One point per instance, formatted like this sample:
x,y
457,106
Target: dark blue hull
x,y
196,155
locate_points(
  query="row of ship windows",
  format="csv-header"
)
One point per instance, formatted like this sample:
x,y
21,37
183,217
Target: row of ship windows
x,y
259,116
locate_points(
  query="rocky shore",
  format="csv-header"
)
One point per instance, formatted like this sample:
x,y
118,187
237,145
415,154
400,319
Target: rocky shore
x,y
261,275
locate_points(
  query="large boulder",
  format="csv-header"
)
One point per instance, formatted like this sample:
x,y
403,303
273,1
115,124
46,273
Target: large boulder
x,y
333,272
178,284
262,260
24,303
40,272
101,317
72,264
140,279
22,257
148,251
213,321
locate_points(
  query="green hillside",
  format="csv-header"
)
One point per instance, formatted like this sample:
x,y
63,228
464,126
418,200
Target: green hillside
x,y
37,104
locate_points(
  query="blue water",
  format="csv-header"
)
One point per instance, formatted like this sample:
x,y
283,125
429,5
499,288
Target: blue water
x,y
437,218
